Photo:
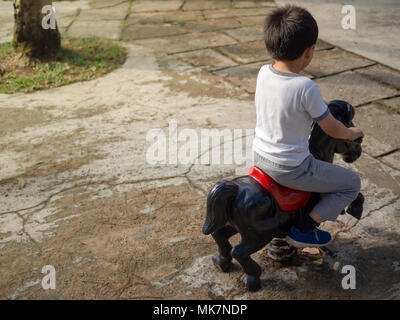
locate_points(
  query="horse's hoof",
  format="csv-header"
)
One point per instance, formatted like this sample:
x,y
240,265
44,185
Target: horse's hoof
x,y
222,263
252,283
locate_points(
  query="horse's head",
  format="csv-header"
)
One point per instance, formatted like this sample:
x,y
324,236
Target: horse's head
x,y
344,112
323,147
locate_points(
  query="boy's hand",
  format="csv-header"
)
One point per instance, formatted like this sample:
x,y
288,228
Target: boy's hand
x,y
355,133
338,130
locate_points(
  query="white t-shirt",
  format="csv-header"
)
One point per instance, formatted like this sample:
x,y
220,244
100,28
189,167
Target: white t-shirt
x,y
286,105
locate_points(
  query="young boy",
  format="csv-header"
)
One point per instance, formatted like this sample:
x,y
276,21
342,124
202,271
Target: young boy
x,y
286,105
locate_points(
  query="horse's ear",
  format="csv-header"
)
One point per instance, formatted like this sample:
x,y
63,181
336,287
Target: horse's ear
x,y
350,111
341,110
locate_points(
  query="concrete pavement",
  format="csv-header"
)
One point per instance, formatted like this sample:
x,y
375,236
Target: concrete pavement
x,y
79,193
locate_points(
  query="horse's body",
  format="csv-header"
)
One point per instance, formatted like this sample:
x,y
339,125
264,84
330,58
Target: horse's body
x,y
243,205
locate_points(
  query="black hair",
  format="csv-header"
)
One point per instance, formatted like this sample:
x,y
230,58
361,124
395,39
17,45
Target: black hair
x,y
289,31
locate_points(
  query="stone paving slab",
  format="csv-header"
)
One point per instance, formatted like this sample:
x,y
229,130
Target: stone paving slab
x,y
229,13
105,29
327,62
252,20
322,45
211,25
162,17
206,4
106,3
188,42
114,13
69,8
143,5
246,52
353,88
6,19
393,160
207,59
243,76
6,31
382,224
252,4
5,8
64,23
382,74
247,33
380,188
380,126
137,31
377,182
393,104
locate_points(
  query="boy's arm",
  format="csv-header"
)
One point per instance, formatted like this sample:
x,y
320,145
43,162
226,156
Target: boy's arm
x,y
315,106
338,130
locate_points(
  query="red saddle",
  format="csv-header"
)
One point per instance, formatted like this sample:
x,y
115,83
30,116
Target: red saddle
x,y
288,199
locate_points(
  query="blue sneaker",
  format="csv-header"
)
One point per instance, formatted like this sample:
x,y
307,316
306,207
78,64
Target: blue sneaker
x,y
313,238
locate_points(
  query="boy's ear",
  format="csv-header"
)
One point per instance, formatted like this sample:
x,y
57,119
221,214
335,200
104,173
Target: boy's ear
x,y
307,53
310,50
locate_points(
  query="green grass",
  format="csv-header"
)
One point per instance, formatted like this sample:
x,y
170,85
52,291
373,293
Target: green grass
x,y
203,16
5,49
125,22
78,60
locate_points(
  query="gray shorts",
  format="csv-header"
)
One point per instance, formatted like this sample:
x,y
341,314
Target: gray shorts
x,y
339,186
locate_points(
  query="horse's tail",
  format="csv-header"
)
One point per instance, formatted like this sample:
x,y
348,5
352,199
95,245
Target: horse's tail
x,y
219,204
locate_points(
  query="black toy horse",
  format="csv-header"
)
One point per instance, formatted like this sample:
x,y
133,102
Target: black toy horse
x,y
244,205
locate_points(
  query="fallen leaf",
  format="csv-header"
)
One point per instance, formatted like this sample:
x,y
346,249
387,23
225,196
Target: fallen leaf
x,y
21,183
313,251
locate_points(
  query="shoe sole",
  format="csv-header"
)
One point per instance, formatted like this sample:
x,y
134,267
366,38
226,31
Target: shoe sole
x,y
297,244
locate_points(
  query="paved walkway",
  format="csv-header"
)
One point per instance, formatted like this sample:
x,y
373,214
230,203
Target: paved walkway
x,y
376,35
78,193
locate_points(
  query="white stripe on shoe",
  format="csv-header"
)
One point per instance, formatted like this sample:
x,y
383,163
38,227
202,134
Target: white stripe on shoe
x,y
298,244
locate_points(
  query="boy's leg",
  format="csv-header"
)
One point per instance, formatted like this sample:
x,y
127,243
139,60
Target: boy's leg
x,y
339,187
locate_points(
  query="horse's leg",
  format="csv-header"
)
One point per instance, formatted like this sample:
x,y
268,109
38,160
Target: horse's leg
x,y
223,259
252,270
356,207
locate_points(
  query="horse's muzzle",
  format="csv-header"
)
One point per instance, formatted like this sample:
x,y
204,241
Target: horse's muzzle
x,y
354,152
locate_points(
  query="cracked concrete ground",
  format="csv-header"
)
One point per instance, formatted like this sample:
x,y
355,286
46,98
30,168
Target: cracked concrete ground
x,y
78,193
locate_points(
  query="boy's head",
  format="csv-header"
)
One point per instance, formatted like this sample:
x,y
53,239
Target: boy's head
x,y
289,31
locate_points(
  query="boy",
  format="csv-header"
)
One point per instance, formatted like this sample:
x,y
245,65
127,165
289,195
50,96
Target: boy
x,y
286,105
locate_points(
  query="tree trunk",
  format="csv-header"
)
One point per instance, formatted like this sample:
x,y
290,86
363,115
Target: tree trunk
x,y
31,39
